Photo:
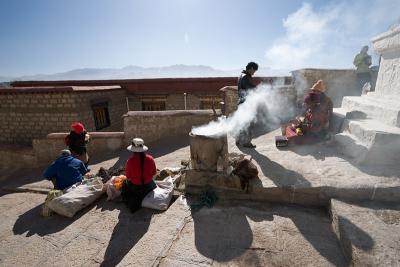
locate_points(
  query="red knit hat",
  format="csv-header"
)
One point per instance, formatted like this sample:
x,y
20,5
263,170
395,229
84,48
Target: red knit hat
x,y
78,127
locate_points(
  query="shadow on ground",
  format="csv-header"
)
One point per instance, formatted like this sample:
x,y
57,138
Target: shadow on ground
x,y
281,176
131,227
32,222
221,236
322,150
225,234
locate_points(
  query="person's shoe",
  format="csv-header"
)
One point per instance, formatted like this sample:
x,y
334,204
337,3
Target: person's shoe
x,y
237,143
249,145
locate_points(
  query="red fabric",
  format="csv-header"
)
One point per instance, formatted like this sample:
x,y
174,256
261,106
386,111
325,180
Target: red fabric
x,y
78,127
133,171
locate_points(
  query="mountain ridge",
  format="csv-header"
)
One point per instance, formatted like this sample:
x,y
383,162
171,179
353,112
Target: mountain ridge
x,y
137,72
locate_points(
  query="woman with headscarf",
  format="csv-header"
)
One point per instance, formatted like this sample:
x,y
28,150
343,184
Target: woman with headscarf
x,y
314,125
140,170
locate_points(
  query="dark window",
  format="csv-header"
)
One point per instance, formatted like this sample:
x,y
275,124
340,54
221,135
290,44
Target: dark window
x,y
209,102
153,106
101,115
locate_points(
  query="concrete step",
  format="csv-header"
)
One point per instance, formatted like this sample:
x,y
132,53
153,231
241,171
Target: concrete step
x,y
351,146
368,232
370,142
372,131
379,109
390,100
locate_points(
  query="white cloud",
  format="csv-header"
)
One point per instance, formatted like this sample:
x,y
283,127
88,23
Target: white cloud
x,y
330,36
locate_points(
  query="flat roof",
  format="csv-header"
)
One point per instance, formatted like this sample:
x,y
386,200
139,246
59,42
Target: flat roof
x,y
58,89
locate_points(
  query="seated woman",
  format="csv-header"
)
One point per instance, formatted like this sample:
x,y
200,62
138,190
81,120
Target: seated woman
x,y
140,170
65,171
314,125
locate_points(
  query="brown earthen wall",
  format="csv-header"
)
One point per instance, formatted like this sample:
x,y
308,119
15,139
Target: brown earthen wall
x,y
177,102
155,125
339,83
26,116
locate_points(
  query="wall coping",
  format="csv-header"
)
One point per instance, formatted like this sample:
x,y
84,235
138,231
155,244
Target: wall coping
x,y
229,88
168,113
93,135
58,89
320,69
123,81
395,30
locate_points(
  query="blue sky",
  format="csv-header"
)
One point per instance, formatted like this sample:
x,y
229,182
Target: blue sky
x,y
49,36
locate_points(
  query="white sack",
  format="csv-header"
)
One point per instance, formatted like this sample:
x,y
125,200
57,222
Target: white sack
x,y
77,198
161,196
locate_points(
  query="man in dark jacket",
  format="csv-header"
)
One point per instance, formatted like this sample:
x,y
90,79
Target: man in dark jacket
x,y
245,85
65,171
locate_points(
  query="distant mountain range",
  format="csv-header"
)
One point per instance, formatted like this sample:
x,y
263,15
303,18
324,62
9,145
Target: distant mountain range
x,y
136,72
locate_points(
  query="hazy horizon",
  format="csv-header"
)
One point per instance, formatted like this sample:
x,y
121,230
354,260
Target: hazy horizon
x,y
173,71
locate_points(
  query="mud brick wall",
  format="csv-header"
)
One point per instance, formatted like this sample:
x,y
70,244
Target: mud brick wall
x,y
48,148
116,107
230,99
28,115
177,102
155,125
339,83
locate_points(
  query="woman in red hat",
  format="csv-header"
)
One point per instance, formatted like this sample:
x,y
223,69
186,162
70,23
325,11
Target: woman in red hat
x,y
77,140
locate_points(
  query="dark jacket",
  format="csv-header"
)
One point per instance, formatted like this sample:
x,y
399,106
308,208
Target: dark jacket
x,y
245,83
66,170
76,142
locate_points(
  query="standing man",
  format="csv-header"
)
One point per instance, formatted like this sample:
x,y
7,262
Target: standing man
x,y
362,61
245,85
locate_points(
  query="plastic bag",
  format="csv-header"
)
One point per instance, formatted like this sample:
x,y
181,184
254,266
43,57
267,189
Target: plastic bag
x,y
77,198
160,197
113,187
46,211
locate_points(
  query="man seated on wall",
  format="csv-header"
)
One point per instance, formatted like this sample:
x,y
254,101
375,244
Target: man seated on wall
x,y
65,171
314,124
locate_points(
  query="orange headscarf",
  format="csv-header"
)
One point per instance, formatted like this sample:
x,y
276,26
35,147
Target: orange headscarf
x,y
319,86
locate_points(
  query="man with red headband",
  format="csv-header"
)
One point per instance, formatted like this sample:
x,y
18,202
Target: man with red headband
x,y
77,141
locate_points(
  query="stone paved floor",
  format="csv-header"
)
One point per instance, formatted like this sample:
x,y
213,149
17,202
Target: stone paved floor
x,y
233,234
107,234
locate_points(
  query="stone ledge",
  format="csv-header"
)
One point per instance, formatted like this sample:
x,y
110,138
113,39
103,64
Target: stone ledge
x,y
93,135
368,232
167,113
308,195
387,41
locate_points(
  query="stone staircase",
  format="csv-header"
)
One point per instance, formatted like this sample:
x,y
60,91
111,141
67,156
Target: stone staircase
x,y
369,125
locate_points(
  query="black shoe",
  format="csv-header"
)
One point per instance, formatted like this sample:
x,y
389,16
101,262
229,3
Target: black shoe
x,y
237,143
249,145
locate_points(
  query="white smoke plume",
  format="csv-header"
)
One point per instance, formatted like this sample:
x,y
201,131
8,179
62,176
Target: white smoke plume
x,y
265,105
331,35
